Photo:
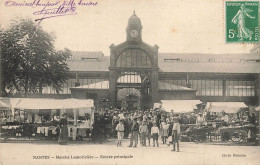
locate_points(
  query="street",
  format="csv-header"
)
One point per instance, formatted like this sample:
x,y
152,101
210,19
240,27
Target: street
x,y
108,153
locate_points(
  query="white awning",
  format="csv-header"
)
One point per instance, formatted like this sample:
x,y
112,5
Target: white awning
x,y
35,103
156,105
228,107
179,106
257,108
4,106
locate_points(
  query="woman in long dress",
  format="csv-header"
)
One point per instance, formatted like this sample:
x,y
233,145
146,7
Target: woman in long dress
x,y
63,137
239,19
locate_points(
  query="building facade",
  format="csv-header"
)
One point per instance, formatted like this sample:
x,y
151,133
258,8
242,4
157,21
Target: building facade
x,y
136,75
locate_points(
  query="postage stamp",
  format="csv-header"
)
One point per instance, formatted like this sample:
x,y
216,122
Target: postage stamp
x,y
242,21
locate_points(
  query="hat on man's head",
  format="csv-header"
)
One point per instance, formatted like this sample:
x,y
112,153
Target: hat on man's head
x,y
64,114
175,119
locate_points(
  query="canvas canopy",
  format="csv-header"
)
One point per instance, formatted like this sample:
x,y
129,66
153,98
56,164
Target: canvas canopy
x,y
29,103
179,106
228,107
4,106
257,108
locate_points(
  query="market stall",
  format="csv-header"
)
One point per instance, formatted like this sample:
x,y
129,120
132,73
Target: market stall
x,y
5,113
227,107
40,117
229,112
5,117
234,119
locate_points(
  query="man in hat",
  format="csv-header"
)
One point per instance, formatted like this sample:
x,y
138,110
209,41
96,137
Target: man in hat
x,y
145,116
192,118
155,134
149,127
199,120
134,133
143,132
172,113
120,132
176,130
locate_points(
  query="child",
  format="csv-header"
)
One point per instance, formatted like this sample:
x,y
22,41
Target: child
x,y
149,128
176,129
155,134
120,132
165,131
143,132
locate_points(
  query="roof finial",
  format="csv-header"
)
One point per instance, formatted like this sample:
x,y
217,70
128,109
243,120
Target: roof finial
x,y
134,11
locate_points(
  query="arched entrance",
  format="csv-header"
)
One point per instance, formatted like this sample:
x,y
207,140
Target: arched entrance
x,y
133,90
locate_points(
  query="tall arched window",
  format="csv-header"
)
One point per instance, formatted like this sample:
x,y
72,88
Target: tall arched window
x,y
134,58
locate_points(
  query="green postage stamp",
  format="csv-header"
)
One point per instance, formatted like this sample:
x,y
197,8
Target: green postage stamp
x,y
242,21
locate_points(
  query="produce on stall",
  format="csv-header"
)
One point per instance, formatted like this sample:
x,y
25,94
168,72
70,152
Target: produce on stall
x,y
6,113
235,121
40,117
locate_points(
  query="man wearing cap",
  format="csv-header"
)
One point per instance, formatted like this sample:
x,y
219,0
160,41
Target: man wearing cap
x,y
120,132
176,129
134,133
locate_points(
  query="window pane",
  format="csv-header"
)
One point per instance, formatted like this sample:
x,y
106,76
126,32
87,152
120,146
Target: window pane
x,y
236,88
128,58
203,89
183,83
220,88
199,88
207,87
216,93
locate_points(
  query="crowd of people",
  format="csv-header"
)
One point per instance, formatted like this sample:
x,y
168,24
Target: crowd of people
x,y
142,127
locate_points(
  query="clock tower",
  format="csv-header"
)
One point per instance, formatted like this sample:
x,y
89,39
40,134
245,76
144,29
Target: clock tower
x,y
134,29
136,63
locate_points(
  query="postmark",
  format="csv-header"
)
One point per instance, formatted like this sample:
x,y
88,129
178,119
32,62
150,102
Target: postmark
x,y
242,21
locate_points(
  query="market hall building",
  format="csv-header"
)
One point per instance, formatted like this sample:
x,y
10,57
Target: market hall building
x,y
136,75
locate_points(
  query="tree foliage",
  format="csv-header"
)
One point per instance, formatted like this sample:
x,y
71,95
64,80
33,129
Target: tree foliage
x,y
29,59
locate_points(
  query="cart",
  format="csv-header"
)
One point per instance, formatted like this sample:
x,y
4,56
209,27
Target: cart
x,y
198,134
238,134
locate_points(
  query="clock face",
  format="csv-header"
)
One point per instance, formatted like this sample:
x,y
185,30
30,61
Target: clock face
x,y
134,33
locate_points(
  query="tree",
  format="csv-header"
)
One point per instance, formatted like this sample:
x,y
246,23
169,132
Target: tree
x,y
29,59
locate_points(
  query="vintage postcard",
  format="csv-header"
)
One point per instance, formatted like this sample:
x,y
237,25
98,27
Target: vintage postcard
x,y
156,82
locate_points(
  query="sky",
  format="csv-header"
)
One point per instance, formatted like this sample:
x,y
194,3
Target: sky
x,y
176,26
